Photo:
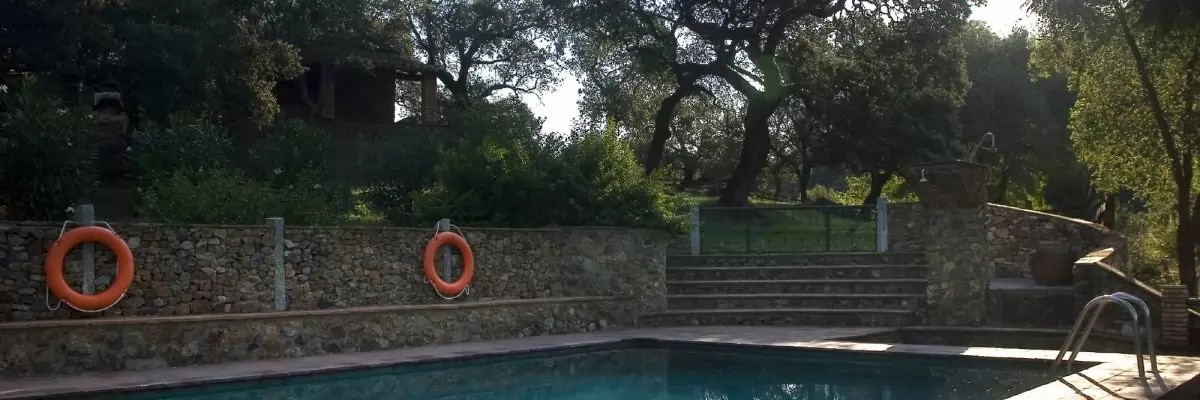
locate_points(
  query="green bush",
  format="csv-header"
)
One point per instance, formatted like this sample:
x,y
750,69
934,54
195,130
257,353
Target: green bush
x,y
47,154
185,145
506,174
395,169
293,147
187,176
228,197
1151,236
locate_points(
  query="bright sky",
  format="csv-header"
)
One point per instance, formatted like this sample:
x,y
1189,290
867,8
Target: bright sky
x,y
559,107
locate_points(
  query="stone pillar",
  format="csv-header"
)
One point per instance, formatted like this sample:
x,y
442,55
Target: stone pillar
x,y
1174,316
953,199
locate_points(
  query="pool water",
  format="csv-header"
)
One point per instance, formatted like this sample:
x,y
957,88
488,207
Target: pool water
x,y
655,371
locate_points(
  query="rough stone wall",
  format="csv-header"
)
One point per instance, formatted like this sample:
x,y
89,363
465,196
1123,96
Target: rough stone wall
x,y
1093,276
1014,234
953,200
1034,307
230,269
906,227
47,348
179,270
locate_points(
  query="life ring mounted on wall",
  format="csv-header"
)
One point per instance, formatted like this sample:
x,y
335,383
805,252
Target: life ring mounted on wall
x,y
56,283
461,286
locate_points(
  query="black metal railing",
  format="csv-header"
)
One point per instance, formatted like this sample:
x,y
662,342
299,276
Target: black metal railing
x,y
787,229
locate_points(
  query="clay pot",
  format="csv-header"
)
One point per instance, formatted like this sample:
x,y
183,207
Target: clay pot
x,y
1051,265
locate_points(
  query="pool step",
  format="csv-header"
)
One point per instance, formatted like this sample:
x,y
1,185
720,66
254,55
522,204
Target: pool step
x,y
793,301
746,260
781,316
797,272
786,286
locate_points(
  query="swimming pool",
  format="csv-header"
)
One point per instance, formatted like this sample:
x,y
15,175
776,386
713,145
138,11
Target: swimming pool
x,y
653,370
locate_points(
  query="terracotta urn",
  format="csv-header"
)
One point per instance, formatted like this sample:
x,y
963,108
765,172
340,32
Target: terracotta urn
x,y
1051,264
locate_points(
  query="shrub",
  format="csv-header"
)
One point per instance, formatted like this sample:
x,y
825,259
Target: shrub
x,y
506,174
47,154
395,169
226,196
293,147
185,145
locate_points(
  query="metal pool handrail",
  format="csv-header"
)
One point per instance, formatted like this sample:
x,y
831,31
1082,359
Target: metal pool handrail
x,y
1091,313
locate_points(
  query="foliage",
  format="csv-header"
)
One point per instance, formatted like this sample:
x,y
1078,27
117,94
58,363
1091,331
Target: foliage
x,y
188,176
505,174
1151,246
488,46
896,189
226,196
292,148
1027,115
1135,122
396,168
47,153
184,145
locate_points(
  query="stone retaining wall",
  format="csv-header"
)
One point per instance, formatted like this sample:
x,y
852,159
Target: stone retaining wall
x,y
906,227
1014,234
185,270
47,348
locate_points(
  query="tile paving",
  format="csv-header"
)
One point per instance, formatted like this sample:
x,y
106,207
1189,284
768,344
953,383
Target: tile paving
x,y
1114,378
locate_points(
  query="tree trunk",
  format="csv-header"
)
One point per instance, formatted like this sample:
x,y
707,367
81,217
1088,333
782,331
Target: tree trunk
x,y
805,174
1181,160
878,179
1185,247
662,127
756,143
777,180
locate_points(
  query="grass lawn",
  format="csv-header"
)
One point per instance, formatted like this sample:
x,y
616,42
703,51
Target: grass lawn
x,y
786,230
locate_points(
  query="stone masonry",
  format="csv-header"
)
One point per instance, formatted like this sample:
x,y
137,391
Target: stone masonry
x,y
1015,234
178,270
186,270
47,348
953,203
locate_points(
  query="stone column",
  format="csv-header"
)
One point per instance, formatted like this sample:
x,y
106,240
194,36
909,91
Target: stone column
x,y
953,199
1174,316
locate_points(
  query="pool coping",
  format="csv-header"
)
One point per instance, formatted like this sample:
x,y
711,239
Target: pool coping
x,y
1113,377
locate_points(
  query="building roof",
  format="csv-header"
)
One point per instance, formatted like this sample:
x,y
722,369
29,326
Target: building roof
x,y
367,58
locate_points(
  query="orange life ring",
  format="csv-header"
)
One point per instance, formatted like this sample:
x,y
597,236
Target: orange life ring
x,y
84,302
458,286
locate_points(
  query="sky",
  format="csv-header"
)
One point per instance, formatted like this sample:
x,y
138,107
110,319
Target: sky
x,y
558,106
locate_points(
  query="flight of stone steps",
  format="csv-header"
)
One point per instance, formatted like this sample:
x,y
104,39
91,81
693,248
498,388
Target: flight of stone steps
x,y
842,289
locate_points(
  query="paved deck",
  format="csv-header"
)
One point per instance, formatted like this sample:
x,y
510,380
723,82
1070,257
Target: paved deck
x,y
1114,378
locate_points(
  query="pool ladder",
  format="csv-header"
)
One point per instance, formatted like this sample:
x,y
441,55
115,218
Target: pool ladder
x,y
1091,312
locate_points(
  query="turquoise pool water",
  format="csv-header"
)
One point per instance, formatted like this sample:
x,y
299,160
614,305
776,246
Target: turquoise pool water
x,y
654,372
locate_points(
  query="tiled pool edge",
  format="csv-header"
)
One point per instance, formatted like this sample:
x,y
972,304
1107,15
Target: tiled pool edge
x,y
1114,369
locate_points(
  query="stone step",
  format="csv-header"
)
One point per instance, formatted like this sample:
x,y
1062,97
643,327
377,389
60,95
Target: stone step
x,y
781,316
794,301
796,272
741,260
809,286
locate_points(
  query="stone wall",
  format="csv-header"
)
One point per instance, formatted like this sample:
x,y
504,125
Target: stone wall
x,y
47,348
178,270
953,209
1093,276
184,270
1014,234
906,227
